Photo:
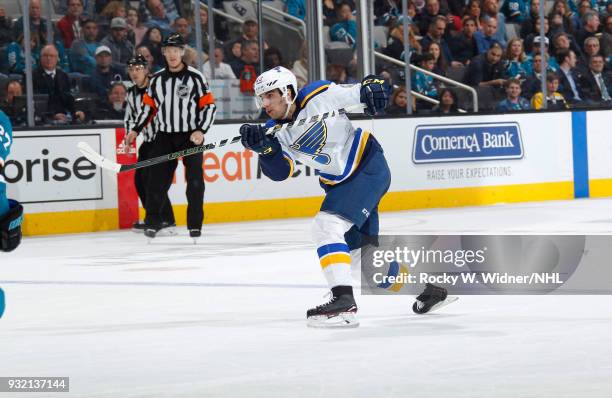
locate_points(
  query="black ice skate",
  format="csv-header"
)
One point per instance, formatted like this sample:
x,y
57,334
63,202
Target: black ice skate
x,y
432,298
195,234
139,226
338,312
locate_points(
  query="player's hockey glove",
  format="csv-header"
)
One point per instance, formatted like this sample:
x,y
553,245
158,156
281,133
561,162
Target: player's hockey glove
x,y
373,95
10,227
254,138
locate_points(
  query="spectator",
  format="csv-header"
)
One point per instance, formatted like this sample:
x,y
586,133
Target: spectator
x,y
551,62
300,66
473,10
8,106
398,102
6,28
516,63
69,26
590,25
345,29
567,23
159,18
153,40
425,84
329,12
596,86
486,69
273,58
136,29
562,41
486,36
144,50
15,54
554,100
426,17
439,61
190,58
181,26
105,73
83,51
448,102
117,41
222,70
533,82
113,105
606,37
490,9
37,23
114,9
395,48
463,47
169,7
250,32
591,47
339,74
247,67
569,77
48,79
435,34
513,100
234,51
297,8
528,43
528,24
514,11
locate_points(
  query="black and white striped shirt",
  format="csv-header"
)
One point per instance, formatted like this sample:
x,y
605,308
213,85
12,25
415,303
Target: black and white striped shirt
x,y
133,109
177,102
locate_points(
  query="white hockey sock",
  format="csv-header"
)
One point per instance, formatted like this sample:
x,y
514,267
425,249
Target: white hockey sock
x,y
328,234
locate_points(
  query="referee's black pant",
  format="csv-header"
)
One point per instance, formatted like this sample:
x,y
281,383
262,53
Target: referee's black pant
x,y
141,180
161,176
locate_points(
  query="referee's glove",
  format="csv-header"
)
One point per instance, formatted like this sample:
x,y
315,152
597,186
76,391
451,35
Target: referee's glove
x,y
254,138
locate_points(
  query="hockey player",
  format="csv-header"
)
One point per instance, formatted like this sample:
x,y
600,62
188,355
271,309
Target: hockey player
x,y
182,108
11,212
352,171
138,71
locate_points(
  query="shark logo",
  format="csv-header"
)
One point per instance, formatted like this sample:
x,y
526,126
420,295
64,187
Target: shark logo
x,y
312,141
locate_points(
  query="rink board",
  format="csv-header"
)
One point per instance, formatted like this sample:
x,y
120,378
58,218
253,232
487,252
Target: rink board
x,y
435,162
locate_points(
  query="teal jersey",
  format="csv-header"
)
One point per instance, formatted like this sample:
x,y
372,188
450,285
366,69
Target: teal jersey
x,y
6,140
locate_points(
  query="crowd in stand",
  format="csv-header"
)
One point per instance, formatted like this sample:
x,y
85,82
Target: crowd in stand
x,y
492,45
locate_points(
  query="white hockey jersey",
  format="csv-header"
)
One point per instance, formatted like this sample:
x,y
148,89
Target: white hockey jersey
x,y
332,146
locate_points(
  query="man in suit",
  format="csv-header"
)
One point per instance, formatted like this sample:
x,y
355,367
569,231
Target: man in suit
x,y
595,85
569,76
48,79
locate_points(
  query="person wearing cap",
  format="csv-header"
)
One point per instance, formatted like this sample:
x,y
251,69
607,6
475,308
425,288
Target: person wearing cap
x,y
121,48
551,62
70,26
105,73
83,51
138,70
182,109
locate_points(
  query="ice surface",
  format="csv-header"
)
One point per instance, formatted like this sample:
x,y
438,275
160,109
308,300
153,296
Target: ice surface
x,y
226,317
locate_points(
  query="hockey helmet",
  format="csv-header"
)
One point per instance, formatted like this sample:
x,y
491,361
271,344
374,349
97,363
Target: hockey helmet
x,y
276,78
137,60
174,40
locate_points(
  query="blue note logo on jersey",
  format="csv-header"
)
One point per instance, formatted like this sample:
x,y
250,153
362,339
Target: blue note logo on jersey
x,y
467,142
312,141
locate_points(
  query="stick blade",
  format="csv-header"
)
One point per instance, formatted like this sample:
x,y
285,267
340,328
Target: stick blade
x,y
96,158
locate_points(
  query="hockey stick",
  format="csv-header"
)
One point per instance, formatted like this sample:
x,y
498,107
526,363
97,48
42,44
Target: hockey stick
x,y
108,164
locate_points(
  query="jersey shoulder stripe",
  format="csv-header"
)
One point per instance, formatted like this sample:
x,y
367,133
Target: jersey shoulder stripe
x,y
311,90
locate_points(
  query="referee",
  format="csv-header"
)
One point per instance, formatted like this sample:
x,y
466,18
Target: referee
x,y
182,109
138,71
